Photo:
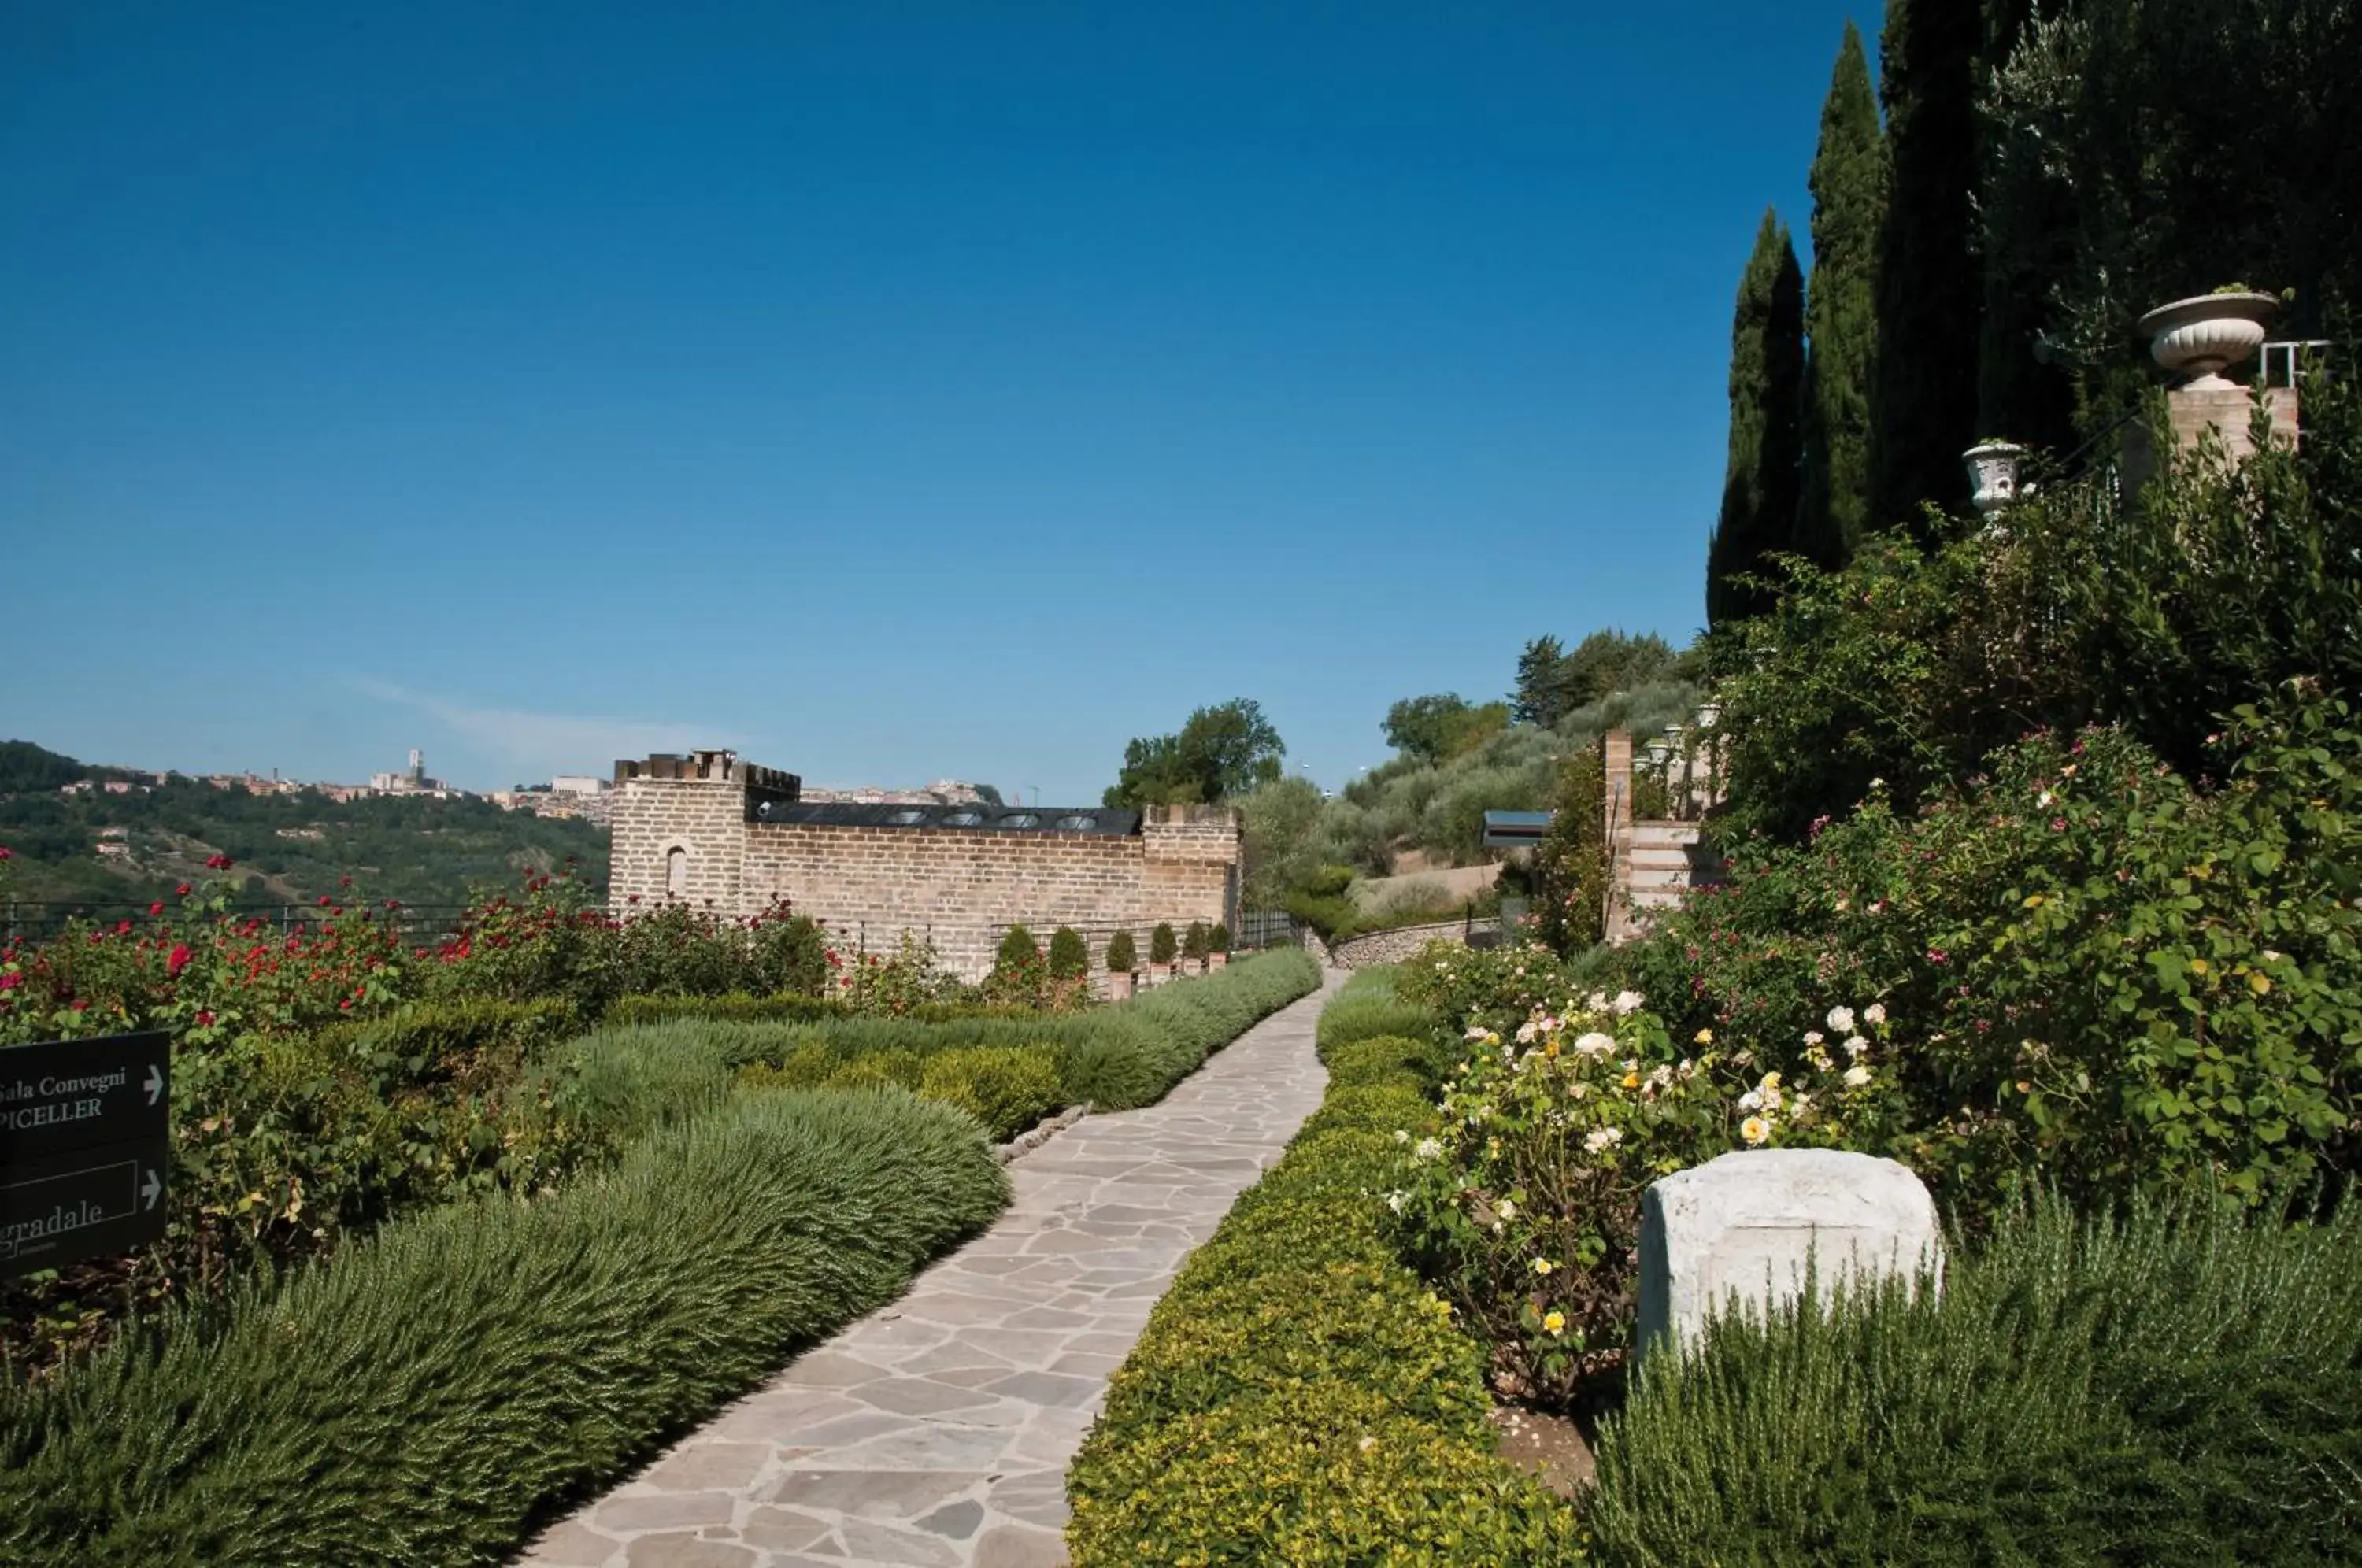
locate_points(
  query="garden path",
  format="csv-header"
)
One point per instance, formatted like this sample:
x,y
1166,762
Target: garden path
x,y
935,1432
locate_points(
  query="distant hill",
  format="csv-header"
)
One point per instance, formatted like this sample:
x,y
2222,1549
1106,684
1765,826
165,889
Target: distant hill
x,y
291,848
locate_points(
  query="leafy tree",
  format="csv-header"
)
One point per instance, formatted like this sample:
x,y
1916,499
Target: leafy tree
x,y
1538,699
1280,824
1222,752
1610,660
1760,486
1570,871
1848,186
1923,412
1436,728
990,795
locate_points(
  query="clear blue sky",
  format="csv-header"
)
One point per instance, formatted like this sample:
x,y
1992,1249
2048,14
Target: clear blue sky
x,y
891,391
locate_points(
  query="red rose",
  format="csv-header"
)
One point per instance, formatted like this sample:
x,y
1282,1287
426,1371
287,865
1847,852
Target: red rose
x,y
11,981
80,1005
179,960
157,908
122,928
5,855
204,1018
182,890
323,901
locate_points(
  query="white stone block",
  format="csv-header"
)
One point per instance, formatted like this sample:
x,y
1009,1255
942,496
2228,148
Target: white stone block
x,y
1745,1224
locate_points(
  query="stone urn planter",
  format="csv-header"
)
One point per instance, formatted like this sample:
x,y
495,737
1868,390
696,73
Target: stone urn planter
x,y
1992,475
1118,984
2204,335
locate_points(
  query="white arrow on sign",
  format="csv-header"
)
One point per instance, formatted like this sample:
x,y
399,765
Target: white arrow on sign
x,y
155,1084
152,1188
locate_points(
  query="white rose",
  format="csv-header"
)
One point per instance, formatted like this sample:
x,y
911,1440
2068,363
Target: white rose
x,y
1841,1020
1855,1045
1855,1076
1428,1149
1875,1014
1627,1001
1601,1137
1594,1045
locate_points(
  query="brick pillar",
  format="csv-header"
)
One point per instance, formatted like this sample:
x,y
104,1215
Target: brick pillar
x,y
1617,804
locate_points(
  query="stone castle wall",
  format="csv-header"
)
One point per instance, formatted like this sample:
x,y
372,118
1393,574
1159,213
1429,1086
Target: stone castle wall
x,y
687,838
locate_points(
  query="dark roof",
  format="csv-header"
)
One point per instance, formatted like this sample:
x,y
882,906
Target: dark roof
x,y
975,818
1507,830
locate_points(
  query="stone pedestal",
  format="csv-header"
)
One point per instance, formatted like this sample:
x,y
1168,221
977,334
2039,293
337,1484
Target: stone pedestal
x,y
1744,1226
2191,412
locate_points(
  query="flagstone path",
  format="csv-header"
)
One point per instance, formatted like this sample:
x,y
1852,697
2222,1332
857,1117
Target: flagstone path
x,y
935,1432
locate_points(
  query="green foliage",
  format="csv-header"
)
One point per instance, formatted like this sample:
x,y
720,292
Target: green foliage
x,y
2209,588
1222,752
366,1410
1570,869
1162,943
1848,186
292,849
788,1006
2106,976
2176,1386
1069,958
1495,987
1193,942
1115,1058
1122,953
1368,1009
1438,728
1760,479
2103,116
1019,977
1218,940
1278,822
1923,408
1298,1396
1007,1089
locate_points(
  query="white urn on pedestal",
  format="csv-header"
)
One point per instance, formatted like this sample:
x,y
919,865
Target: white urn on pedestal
x,y
2204,336
1993,474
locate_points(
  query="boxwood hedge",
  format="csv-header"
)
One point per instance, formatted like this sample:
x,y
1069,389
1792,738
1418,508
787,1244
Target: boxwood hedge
x,y
1299,1396
427,1395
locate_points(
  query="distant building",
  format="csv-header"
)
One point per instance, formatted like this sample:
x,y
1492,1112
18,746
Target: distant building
x,y
715,832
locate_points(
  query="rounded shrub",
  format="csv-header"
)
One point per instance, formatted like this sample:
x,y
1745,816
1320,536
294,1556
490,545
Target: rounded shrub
x,y
1122,953
1163,945
1069,959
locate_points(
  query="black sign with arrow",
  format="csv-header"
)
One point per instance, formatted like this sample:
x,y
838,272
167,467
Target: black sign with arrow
x,y
84,1130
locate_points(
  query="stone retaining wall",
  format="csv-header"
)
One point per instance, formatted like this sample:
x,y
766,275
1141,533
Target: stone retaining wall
x,y
1394,946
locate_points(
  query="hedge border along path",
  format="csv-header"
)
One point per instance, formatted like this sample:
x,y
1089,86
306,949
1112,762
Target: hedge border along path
x,y
424,1396
1300,1396
936,1433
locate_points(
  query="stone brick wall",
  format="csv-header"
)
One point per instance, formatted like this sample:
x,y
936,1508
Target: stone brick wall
x,y
959,888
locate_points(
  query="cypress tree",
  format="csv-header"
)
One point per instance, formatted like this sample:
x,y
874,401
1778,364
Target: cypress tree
x,y
1760,487
1923,409
1849,183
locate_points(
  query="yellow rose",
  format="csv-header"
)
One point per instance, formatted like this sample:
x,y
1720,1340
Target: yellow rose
x,y
1704,1037
1554,1322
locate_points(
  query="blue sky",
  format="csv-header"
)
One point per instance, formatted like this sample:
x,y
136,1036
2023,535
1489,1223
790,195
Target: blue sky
x,y
890,391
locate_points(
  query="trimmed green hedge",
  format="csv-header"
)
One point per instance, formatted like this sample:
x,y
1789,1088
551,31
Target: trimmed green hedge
x,y
1115,1058
2171,1387
1008,1089
426,1396
1299,1396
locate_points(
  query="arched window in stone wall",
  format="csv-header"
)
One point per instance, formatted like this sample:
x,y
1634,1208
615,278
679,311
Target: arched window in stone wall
x,y
676,872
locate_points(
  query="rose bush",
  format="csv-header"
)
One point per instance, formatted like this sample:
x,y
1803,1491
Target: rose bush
x,y
1523,1206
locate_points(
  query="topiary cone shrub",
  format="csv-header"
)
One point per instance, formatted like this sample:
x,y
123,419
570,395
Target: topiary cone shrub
x,y
1070,969
1019,976
1122,953
1163,946
1218,943
1194,945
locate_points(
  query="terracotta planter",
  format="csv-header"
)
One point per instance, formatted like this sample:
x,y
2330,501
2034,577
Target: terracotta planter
x,y
1159,973
1217,961
1118,984
1992,475
2204,335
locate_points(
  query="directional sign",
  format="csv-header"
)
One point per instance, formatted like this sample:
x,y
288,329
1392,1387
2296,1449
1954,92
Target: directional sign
x,y
85,1131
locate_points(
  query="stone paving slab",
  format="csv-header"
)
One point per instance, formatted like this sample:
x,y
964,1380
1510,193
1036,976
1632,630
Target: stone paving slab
x,y
935,1432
